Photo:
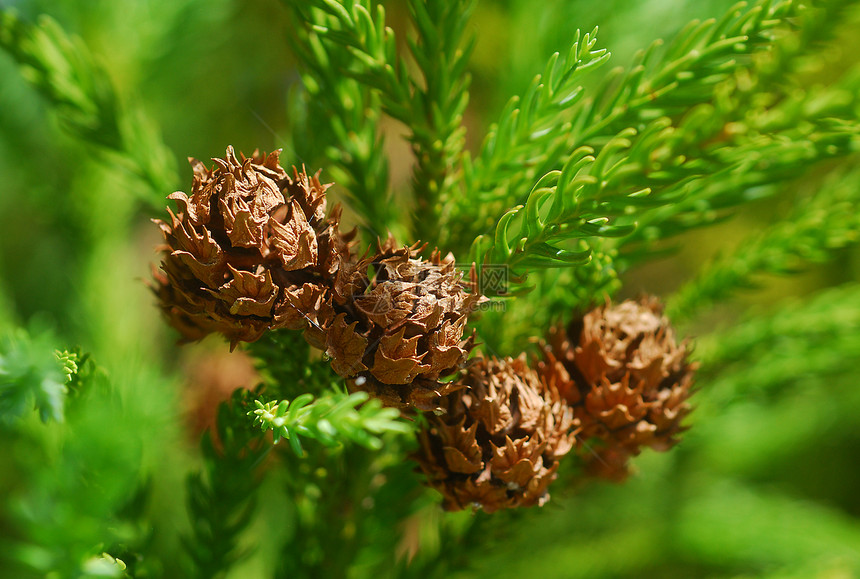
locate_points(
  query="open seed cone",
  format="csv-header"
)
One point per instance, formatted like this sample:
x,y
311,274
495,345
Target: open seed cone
x,y
398,326
250,250
625,375
498,442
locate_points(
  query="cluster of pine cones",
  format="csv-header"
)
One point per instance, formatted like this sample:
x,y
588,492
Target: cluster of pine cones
x,y
254,249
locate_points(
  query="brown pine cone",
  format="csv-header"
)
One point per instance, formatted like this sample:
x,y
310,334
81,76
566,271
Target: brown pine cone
x,y
251,249
396,334
498,443
625,375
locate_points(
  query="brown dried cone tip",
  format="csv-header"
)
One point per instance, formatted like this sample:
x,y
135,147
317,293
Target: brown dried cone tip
x,y
250,250
499,442
626,377
396,334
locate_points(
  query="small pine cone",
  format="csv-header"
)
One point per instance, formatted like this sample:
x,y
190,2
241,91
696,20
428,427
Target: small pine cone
x,y
397,334
249,250
498,443
626,377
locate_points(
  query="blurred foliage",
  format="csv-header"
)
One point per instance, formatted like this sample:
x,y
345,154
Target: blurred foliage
x,y
102,472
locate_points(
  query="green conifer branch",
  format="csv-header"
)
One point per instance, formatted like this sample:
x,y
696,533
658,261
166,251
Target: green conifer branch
x,y
348,110
33,375
568,208
438,103
221,498
741,174
819,225
815,25
767,121
669,178
792,360
359,35
794,365
331,419
61,68
685,73
431,107
347,499
75,476
28,362
657,85
528,134
826,319
761,126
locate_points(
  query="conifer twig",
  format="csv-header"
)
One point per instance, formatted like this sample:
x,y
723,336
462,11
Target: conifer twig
x,y
822,223
525,137
62,69
431,107
438,104
346,107
659,84
332,419
672,175
222,497
33,375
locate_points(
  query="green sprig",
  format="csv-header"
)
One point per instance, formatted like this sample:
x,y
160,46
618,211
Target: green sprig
x,y
222,496
644,185
529,134
298,372
441,50
826,320
685,74
32,375
331,419
351,46
820,224
343,104
658,85
574,205
87,104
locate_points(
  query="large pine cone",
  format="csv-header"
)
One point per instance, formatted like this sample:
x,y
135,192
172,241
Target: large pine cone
x,y
498,443
250,250
626,377
395,334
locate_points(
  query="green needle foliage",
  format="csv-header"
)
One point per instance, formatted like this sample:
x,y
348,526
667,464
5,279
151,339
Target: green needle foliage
x,y
527,134
662,83
73,505
672,151
829,323
221,498
33,375
86,103
330,420
818,225
355,41
718,168
290,376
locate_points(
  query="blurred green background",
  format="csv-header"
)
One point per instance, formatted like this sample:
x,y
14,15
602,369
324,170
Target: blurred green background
x,y
765,484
